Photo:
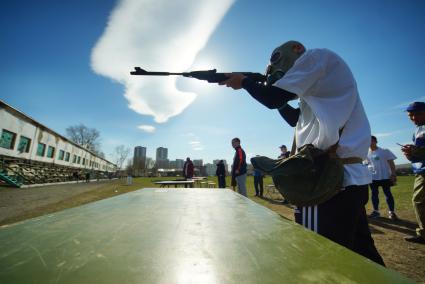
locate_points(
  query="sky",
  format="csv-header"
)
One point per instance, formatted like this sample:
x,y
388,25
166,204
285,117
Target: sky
x,y
67,62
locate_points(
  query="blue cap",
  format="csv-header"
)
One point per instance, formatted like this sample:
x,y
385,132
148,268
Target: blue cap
x,y
416,106
283,146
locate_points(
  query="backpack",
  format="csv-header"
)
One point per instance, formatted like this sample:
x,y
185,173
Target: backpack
x,y
310,177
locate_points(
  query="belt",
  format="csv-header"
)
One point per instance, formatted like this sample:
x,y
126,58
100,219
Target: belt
x,y
351,160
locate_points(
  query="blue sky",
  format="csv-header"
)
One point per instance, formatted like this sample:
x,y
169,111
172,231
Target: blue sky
x,y
56,68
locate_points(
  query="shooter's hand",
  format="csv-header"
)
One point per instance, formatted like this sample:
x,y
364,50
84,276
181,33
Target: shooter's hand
x,y
234,81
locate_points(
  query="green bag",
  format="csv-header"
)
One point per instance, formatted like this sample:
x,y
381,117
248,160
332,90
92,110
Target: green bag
x,y
310,177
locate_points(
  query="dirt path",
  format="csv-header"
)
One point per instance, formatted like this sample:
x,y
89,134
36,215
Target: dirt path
x,y
21,204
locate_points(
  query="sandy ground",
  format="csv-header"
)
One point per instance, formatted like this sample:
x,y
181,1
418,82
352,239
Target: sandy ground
x,y
399,255
21,204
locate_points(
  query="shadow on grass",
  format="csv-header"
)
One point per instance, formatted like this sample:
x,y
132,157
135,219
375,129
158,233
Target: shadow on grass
x,y
375,231
402,226
276,201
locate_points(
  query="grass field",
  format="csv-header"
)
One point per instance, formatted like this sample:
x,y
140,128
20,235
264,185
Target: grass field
x,y
399,255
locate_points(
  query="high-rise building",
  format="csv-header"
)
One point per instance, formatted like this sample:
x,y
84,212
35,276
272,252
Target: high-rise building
x,y
162,161
210,169
161,153
179,163
198,163
139,160
173,165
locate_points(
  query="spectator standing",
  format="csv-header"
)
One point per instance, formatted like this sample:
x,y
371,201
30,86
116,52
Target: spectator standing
x,y
188,170
284,152
381,165
416,154
221,174
258,182
239,166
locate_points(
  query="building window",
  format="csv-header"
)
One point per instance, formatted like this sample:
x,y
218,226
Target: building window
x,y
61,154
24,144
50,152
84,161
67,155
79,159
74,159
41,149
7,139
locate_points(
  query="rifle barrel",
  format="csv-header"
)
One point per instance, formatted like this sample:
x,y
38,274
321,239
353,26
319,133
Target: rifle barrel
x,y
140,71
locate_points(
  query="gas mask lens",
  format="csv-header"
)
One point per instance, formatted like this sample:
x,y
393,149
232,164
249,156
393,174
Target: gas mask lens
x,y
275,57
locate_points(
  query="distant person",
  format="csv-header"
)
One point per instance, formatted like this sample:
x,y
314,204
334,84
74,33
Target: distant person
x,y
381,165
188,170
129,179
416,154
87,177
258,182
239,166
221,174
284,152
75,176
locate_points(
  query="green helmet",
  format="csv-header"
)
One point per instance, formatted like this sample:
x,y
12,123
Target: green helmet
x,y
282,59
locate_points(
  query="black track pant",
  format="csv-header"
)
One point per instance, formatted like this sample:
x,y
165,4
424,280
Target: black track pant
x,y
343,220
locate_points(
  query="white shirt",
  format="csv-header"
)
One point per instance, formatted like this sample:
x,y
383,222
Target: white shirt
x,y
378,163
329,100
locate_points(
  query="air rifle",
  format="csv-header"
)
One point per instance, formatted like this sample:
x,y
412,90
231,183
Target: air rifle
x,y
212,76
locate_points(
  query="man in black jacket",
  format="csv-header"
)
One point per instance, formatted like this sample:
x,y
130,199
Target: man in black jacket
x,y
239,166
221,174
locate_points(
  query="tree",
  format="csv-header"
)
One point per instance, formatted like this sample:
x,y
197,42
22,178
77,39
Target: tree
x,y
88,138
129,168
120,155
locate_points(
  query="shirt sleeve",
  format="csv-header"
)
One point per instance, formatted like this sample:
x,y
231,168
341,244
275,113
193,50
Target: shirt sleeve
x,y
389,155
270,96
307,70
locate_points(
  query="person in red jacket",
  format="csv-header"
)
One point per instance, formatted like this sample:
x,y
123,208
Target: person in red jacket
x,y
239,166
188,169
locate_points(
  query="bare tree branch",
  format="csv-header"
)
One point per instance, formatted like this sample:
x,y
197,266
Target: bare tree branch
x,y
88,138
120,155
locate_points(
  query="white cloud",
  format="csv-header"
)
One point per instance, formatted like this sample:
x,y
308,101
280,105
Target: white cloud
x,y
147,128
194,142
384,134
157,35
388,134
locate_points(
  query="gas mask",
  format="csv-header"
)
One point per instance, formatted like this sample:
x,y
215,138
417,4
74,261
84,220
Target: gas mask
x,y
281,60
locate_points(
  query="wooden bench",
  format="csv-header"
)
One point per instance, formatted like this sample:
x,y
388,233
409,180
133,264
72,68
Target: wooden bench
x,y
211,184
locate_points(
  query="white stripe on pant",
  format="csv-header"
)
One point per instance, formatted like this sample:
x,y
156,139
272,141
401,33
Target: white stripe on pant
x,y
310,217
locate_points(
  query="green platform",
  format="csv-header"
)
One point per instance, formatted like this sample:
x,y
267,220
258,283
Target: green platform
x,y
176,236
